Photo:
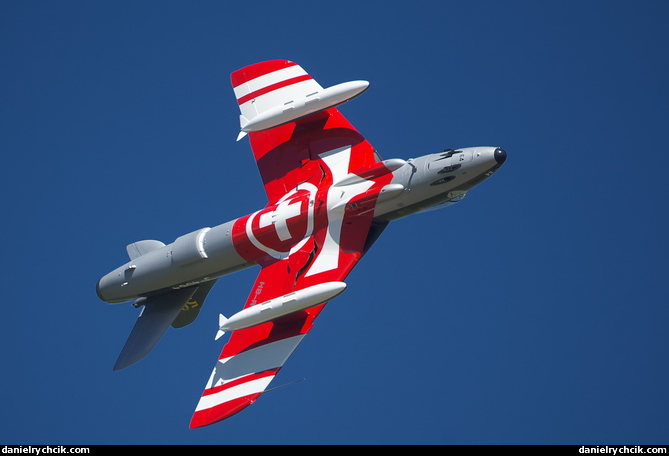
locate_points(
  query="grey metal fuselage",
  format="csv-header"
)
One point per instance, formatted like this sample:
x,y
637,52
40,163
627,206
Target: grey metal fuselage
x,y
431,181
439,180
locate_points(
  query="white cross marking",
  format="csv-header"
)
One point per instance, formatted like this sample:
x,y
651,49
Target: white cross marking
x,y
337,161
279,218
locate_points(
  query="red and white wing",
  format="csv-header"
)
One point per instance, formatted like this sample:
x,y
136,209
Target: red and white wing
x,y
253,356
288,154
312,231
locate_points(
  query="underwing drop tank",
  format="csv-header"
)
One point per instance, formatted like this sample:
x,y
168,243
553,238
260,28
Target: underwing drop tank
x,y
278,307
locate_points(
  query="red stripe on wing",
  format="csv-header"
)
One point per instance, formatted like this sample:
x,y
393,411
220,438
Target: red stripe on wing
x,y
239,381
248,73
220,412
273,87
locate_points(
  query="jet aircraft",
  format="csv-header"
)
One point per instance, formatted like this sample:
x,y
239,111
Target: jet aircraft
x,y
330,196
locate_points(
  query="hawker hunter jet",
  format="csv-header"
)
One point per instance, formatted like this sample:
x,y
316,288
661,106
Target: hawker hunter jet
x,y
330,196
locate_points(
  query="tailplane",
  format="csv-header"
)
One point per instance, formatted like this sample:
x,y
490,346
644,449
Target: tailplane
x,y
157,315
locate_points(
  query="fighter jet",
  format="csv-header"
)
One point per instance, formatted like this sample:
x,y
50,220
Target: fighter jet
x,y
330,196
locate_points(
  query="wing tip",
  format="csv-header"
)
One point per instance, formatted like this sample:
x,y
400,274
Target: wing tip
x,y
255,70
202,418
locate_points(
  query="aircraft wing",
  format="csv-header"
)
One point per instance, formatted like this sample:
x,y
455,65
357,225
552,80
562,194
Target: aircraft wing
x,y
297,242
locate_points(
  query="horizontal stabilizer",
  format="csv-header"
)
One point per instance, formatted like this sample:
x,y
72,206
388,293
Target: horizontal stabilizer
x,y
157,315
191,310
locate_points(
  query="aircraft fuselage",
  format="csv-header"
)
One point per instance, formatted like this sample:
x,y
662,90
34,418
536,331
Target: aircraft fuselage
x,y
430,181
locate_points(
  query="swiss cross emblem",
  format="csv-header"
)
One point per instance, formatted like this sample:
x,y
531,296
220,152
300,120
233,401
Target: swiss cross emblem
x,y
279,228
279,216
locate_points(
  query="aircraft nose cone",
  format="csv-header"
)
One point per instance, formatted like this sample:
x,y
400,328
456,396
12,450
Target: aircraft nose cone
x,y
500,155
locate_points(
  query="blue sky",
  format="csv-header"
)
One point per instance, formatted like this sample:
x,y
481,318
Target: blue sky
x,y
535,312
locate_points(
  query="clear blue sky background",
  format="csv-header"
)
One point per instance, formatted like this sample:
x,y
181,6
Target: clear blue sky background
x,y
535,312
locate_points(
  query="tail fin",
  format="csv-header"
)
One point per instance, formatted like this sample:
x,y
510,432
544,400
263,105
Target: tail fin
x,y
139,248
221,322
